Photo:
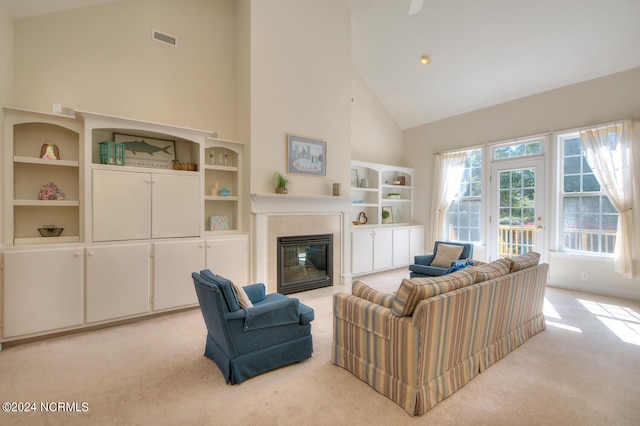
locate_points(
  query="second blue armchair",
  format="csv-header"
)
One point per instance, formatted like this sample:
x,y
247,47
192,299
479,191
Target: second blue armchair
x,y
424,264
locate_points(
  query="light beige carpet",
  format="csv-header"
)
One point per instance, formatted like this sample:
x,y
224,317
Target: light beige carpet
x,y
577,372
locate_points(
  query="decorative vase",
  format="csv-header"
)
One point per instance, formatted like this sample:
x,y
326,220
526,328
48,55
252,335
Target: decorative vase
x,y
281,190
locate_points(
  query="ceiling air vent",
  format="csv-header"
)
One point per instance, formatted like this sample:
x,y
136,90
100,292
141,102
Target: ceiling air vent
x,y
164,38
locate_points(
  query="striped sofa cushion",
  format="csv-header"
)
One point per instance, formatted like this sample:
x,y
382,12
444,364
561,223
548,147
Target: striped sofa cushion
x,y
524,261
414,290
363,291
488,271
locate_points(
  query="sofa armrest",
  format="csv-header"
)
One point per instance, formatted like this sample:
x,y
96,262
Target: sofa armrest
x,y
367,335
279,312
424,259
360,289
255,292
361,313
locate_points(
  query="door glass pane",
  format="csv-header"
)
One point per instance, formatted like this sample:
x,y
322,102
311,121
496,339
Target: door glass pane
x,y
517,212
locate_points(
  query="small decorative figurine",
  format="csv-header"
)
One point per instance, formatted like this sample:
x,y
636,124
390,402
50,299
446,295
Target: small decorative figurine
x,y
49,151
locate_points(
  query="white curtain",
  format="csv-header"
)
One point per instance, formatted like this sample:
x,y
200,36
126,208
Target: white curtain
x,y
609,152
447,176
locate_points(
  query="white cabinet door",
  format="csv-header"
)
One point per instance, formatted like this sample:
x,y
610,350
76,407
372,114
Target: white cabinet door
x,y
416,242
229,257
42,290
117,281
137,206
382,249
121,205
175,201
361,252
173,263
401,247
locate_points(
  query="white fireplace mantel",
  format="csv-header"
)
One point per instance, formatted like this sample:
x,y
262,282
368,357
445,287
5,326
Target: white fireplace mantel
x,y
264,206
293,203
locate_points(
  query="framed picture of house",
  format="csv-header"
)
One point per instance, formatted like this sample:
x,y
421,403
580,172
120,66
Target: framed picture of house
x,y
141,151
306,156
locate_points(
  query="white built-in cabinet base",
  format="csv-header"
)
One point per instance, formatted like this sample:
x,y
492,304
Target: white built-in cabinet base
x,y
43,290
376,249
61,288
173,263
117,281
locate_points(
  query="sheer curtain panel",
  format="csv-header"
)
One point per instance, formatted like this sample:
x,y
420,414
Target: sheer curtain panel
x,y
609,152
447,176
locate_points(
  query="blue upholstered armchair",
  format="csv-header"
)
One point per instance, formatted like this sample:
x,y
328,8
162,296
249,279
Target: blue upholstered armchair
x,y
436,264
245,342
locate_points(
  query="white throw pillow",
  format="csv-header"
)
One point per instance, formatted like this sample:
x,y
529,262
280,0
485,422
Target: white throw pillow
x,y
241,295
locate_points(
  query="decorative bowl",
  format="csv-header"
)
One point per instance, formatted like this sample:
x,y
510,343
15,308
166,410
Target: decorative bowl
x,y
224,192
358,201
50,231
355,222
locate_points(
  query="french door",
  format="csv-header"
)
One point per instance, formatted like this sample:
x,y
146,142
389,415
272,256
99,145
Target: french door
x,y
517,208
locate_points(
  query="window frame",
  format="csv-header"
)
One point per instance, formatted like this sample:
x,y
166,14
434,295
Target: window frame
x,y
541,140
562,195
482,184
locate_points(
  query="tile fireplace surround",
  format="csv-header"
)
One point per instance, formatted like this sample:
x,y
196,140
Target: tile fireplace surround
x,y
284,215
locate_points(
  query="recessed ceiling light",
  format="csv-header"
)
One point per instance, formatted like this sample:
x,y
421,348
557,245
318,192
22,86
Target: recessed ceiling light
x,y
425,59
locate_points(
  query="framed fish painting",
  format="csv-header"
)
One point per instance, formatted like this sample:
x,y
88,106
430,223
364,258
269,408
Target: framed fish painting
x,y
140,151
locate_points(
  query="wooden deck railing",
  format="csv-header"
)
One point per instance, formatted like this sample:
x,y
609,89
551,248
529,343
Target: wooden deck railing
x,y
590,240
516,240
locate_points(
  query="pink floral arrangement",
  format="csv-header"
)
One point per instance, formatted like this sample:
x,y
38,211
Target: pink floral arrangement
x,y
50,191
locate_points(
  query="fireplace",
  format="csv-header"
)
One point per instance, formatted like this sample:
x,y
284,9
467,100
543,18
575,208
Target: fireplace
x,y
277,215
305,262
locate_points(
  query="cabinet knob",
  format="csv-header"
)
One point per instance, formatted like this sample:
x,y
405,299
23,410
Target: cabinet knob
x,y
89,253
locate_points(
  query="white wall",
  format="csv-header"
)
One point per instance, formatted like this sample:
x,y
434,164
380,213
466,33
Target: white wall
x,y
103,59
375,136
6,70
601,100
300,84
6,57
250,70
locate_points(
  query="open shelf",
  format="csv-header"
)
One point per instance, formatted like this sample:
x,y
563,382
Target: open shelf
x,y
29,136
382,179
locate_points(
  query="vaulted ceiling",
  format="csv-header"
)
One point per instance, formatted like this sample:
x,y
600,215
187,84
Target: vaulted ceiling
x,y
486,52
482,52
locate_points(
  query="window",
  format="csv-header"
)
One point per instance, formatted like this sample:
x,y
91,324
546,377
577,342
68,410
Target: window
x,y
516,150
465,212
589,220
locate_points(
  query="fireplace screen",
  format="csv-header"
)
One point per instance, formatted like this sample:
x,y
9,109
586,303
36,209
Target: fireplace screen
x,y
305,262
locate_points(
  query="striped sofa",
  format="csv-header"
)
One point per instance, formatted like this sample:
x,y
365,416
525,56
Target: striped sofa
x,y
420,345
